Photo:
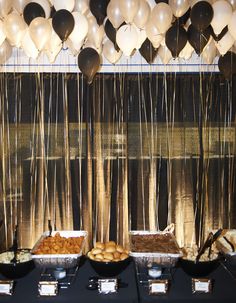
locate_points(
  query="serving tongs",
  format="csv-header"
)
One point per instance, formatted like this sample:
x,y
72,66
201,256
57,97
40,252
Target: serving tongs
x,y
49,228
14,247
208,244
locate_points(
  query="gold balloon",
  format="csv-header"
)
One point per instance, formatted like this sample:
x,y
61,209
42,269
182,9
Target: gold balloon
x,y
14,27
143,14
162,17
40,32
179,7
114,13
110,53
129,9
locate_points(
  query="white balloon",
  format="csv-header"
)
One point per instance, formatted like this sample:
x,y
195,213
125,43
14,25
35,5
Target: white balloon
x,y
95,32
153,34
28,46
127,39
54,41
129,9
142,36
5,7
46,7
209,52
53,53
232,25
225,43
164,54
5,52
110,53
66,4
80,28
142,15
40,31
14,27
187,51
89,43
2,32
74,47
222,15
81,6
19,5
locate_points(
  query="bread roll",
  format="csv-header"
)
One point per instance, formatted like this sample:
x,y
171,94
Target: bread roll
x,y
99,257
111,243
99,245
116,255
110,249
108,255
96,251
119,248
123,256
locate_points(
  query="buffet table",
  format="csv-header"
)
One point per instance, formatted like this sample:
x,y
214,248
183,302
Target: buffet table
x,y
26,289
224,286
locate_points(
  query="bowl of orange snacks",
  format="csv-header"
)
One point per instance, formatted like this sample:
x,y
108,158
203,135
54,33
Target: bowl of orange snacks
x,y
62,249
108,259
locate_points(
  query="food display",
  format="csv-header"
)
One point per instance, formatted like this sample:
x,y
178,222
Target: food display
x,y
154,247
15,270
21,256
59,245
108,252
190,253
61,249
162,243
226,244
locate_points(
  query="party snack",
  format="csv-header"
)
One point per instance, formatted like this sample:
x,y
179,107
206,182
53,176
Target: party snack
x,y
59,245
108,252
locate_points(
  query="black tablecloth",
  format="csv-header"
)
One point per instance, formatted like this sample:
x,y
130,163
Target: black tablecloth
x,y
224,289
26,290
180,291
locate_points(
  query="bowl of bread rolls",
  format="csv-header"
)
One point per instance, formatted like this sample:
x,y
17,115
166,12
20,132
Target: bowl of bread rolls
x,y
108,259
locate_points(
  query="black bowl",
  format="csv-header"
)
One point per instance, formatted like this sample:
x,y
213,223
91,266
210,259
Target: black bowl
x,y
16,270
199,269
109,269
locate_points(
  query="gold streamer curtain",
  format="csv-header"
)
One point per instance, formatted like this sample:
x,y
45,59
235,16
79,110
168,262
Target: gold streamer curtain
x,y
127,152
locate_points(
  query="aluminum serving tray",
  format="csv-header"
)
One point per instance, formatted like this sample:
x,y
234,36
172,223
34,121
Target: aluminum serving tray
x,y
163,259
58,260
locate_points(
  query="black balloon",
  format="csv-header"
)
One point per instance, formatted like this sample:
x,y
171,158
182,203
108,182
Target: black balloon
x,y
63,23
89,63
201,15
198,39
99,9
31,11
53,12
147,51
221,35
159,1
176,39
111,33
182,20
227,65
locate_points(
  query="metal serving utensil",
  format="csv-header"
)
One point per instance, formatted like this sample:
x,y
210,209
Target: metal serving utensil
x,y
206,244
15,245
230,243
50,228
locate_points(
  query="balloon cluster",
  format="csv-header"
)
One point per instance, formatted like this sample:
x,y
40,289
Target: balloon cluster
x,y
112,28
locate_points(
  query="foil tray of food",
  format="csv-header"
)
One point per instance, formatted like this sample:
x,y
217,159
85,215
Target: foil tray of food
x,y
61,249
147,247
226,243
